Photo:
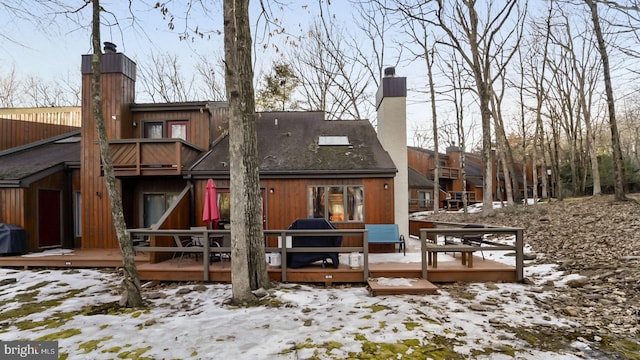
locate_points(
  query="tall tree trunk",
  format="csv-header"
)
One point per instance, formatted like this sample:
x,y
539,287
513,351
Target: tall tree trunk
x,y
508,170
458,90
131,296
523,124
554,156
618,170
248,265
434,116
591,136
484,96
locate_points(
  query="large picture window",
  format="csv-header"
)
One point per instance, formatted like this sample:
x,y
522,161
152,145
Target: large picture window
x,y
336,203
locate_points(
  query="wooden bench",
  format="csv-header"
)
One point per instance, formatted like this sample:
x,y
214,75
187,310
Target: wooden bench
x,y
466,251
386,234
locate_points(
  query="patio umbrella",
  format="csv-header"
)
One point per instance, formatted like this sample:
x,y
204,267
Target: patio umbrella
x,y
210,212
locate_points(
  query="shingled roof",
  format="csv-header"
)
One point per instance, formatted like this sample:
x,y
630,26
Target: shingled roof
x,y
289,145
419,181
20,166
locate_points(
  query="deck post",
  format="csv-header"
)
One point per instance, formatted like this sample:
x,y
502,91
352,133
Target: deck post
x,y
519,255
365,254
423,252
283,256
206,257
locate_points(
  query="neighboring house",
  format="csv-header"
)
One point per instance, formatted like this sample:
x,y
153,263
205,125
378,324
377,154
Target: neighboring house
x,y
420,192
451,180
163,155
20,126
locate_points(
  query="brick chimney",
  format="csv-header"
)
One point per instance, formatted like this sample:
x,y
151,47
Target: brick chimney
x,y
391,106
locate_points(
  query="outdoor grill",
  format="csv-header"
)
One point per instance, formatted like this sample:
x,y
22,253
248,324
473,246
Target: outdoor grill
x,y
296,260
13,240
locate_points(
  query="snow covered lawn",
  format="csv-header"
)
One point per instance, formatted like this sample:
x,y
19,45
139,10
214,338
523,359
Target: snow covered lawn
x,y
193,321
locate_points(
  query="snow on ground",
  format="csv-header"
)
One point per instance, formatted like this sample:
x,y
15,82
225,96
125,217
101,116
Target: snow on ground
x,y
194,321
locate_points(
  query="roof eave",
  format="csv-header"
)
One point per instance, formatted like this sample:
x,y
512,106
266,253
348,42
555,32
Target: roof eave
x,y
297,174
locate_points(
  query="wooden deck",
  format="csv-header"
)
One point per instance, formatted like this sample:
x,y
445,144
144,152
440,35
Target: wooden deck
x,y
79,258
191,270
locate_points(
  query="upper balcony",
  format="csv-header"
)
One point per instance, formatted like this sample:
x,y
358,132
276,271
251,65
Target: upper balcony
x,y
149,157
448,173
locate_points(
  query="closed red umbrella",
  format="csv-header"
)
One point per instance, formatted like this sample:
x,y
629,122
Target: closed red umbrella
x,y
210,212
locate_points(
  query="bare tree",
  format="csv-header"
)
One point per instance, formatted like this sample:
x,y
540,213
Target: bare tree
x,y
537,76
426,51
477,42
9,86
131,281
618,170
376,48
585,71
248,267
37,92
164,80
212,76
318,74
330,80
504,149
459,89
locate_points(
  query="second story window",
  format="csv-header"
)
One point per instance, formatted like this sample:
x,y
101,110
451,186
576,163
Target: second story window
x,y
153,130
171,129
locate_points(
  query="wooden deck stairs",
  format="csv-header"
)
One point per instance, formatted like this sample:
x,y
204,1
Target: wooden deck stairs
x,y
401,286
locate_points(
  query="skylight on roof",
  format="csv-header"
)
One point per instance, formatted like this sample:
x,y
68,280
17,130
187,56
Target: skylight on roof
x,y
334,140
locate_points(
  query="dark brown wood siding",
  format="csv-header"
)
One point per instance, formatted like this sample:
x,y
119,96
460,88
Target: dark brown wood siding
x,y
288,201
178,219
133,190
22,126
12,206
117,93
198,124
58,182
419,161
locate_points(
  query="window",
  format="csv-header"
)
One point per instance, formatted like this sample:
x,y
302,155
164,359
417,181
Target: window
x,y
424,199
155,205
177,130
224,205
153,130
336,203
174,129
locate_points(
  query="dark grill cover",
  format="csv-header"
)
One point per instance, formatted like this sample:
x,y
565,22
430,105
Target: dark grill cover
x,y
13,239
296,260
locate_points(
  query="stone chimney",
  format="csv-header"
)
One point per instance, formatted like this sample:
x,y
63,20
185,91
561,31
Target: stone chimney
x,y
391,106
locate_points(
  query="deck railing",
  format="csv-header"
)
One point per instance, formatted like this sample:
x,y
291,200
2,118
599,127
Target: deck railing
x,y
206,250
427,235
447,172
430,236
134,157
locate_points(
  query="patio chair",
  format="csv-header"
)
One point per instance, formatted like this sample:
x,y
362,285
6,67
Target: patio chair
x,y
198,240
180,243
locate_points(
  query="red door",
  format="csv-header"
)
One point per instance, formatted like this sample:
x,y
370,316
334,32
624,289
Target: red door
x,y
49,218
